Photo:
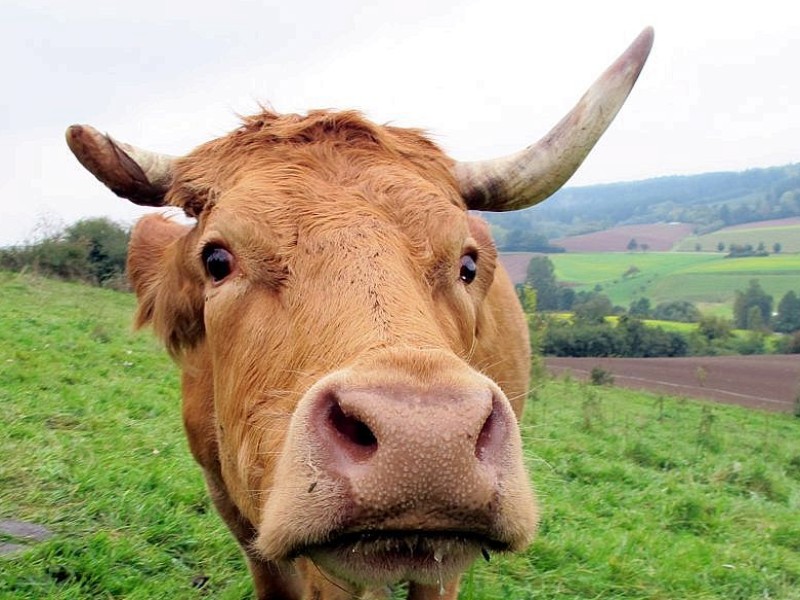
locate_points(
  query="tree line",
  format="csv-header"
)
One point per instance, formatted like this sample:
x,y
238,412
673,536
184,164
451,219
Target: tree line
x,y
588,331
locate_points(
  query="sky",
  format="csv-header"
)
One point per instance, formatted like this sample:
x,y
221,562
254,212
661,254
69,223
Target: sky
x,y
484,77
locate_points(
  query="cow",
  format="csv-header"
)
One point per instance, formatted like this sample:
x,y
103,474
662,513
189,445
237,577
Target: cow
x,y
354,359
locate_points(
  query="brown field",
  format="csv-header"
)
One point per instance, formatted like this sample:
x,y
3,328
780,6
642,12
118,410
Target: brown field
x,y
766,382
659,237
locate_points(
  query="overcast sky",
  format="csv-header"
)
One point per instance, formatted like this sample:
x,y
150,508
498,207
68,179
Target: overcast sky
x,y
484,77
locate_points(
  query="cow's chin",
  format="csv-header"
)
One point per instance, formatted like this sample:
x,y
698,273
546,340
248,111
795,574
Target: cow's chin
x,y
386,557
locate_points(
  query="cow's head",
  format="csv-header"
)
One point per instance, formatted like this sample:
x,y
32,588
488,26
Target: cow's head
x,y
354,361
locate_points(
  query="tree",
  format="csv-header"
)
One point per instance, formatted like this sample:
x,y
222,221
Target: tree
x,y
527,240
790,344
714,328
753,297
632,245
788,318
566,298
776,247
677,310
106,246
721,246
640,308
527,297
541,276
592,308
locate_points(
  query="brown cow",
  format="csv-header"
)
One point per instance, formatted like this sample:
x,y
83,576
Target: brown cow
x,y
354,360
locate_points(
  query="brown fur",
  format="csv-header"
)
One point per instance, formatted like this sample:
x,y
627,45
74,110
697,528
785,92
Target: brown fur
x,y
347,240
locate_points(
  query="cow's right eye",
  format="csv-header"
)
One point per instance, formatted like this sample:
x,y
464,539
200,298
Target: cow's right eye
x,y
218,262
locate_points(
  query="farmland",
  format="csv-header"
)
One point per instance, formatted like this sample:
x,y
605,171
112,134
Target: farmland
x,y
707,279
642,496
785,232
658,237
765,382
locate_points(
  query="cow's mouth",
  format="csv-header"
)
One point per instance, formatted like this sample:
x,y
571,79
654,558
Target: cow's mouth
x,y
384,557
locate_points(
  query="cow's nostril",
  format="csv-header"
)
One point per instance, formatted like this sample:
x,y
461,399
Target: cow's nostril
x,y
354,431
492,435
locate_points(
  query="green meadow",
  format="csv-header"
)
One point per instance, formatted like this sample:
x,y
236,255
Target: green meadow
x,y
641,496
788,236
707,279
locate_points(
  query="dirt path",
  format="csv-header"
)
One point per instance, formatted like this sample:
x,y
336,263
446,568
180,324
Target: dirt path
x,y
766,382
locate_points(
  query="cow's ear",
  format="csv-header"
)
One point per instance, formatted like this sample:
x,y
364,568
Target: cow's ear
x,y
168,284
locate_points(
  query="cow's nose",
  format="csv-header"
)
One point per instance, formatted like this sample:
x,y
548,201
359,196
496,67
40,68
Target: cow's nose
x,y
423,444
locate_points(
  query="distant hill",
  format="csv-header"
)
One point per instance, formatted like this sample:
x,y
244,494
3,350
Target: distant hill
x,y
706,203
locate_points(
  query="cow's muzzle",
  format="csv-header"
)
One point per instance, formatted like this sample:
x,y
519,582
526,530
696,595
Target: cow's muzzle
x,y
405,467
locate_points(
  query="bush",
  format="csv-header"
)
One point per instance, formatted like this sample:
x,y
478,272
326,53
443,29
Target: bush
x,y
715,328
600,376
678,310
91,250
790,344
630,338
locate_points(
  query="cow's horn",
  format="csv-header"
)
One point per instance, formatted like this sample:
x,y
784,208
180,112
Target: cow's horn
x,y
527,177
140,176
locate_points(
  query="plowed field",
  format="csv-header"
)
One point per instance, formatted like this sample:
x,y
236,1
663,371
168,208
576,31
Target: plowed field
x,y
658,237
766,382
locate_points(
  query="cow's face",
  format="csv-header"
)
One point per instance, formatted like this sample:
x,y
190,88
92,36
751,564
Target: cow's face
x,y
354,361
341,308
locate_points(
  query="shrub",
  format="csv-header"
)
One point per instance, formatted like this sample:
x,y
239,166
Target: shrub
x,y
91,250
678,310
600,376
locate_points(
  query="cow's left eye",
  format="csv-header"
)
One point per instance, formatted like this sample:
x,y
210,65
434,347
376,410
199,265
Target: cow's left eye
x,y
469,268
218,262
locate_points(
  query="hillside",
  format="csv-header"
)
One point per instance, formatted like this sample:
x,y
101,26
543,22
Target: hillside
x,y
707,202
662,237
656,237
706,279
785,232
641,496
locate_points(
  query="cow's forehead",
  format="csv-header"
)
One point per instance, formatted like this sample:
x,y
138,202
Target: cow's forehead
x,y
278,216
312,158
324,173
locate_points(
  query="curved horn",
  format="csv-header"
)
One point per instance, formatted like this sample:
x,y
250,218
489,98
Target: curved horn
x,y
140,176
523,179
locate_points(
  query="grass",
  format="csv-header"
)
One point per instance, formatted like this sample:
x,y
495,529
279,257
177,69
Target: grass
x,y
92,447
642,496
708,279
653,497
788,236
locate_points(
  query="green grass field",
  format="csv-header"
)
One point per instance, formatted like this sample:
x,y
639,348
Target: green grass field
x,y
642,496
788,236
707,279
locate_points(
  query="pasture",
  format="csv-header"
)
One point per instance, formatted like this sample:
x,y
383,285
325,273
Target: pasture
x,y
642,496
707,279
785,232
